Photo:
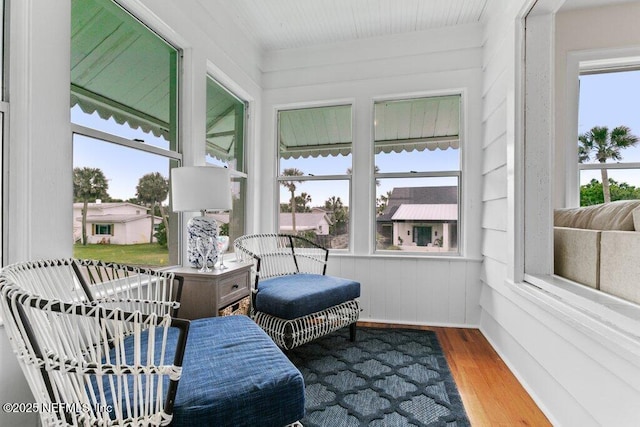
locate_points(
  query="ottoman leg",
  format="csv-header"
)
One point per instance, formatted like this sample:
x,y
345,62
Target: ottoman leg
x,y
352,331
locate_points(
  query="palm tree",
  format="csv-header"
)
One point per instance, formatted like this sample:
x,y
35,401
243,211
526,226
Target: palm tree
x,y
302,201
339,214
291,186
88,184
605,145
382,202
153,188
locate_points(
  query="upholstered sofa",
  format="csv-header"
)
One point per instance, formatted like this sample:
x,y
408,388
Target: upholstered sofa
x,y
599,246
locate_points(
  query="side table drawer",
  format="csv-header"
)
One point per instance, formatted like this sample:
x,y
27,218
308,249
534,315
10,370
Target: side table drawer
x,y
233,288
204,294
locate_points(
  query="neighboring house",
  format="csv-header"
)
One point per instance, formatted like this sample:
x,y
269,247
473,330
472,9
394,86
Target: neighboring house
x,y
420,219
306,221
114,223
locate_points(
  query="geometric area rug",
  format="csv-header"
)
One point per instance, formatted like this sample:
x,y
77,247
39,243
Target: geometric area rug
x,y
387,377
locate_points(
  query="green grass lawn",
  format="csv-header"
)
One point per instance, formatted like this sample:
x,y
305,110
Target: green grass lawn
x,y
148,254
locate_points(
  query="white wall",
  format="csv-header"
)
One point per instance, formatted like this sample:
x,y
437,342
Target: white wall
x,y
581,371
423,290
39,198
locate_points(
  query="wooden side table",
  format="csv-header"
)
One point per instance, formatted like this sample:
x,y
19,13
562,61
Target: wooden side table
x,y
204,294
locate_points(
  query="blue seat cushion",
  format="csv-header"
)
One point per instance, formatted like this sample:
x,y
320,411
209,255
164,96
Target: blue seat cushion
x,y
296,295
233,375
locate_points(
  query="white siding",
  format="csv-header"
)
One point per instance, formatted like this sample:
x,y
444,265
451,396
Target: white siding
x,y
414,291
577,375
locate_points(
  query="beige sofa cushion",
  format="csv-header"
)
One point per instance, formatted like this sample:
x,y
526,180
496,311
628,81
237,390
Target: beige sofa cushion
x,y
577,255
620,264
636,219
619,215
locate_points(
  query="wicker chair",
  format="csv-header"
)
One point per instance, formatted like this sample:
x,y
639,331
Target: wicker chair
x,y
64,319
293,299
99,344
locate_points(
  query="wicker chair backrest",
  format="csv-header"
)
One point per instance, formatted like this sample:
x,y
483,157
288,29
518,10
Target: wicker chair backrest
x,y
281,254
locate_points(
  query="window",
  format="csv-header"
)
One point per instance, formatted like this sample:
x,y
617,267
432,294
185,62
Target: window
x,y
315,173
103,229
124,110
226,119
609,160
417,172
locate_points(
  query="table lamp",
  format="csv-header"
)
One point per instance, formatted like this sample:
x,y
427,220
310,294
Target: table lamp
x,y
201,188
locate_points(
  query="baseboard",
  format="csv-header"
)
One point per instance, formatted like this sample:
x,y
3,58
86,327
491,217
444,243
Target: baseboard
x,y
381,323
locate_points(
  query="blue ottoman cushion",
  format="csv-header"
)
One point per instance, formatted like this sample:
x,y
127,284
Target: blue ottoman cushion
x,y
233,375
293,296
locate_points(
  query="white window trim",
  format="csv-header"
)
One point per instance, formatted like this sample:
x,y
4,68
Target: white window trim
x,y
607,318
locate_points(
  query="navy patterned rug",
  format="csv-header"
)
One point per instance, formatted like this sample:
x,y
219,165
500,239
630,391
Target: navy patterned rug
x,y
388,377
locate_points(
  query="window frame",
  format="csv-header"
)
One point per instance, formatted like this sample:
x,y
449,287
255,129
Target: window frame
x,y
309,178
460,253
590,62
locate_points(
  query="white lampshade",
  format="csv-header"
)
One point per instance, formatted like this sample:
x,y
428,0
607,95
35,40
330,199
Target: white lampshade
x,y
198,188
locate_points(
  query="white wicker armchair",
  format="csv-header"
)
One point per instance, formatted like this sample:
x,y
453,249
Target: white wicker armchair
x,y
67,321
302,264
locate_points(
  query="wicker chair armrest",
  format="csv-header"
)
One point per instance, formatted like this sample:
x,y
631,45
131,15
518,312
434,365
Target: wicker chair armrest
x,y
103,280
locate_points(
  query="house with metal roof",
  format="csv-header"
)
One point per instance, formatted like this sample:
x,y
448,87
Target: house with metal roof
x,y
420,219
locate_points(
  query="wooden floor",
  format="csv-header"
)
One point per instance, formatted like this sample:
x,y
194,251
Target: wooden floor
x,y
492,396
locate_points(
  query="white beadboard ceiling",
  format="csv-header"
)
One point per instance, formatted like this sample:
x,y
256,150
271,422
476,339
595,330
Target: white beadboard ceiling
x,y
287,24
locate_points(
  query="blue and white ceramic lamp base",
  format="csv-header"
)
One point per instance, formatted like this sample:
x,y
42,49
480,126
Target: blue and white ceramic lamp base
x,y
201,227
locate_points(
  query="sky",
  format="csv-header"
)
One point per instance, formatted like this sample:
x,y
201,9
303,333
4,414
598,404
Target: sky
x,y
611,99
122,166
607,99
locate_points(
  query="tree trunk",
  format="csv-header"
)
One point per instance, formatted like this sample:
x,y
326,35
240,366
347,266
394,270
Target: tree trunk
x,y
293,212
605,185
84,223
153,220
